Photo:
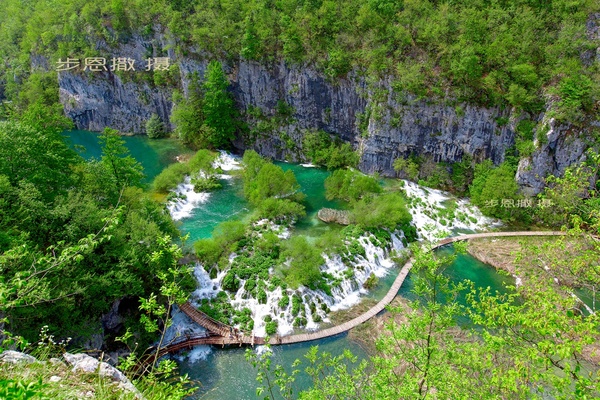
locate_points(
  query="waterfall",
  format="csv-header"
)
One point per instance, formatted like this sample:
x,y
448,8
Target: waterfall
x,y
434,220
186,200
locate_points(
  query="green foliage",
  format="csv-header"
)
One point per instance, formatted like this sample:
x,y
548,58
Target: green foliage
x,y
385,211
208,251
408,167
462,174
430,49
275,193
304,263
272,181
491,186
280,210
170,177
202,161
206,184
22,390
570,195
271,327
424,354
321,150
124,170
37,156
350,185
371,281
187,115
81,225
225,238
154,127
218,108
199,167
575,98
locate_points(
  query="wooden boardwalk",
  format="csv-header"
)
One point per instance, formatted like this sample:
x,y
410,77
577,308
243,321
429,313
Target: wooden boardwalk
x,y
219,328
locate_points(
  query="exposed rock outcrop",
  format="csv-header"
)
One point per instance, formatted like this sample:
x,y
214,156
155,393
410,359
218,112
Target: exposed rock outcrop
x,y
341,217
380,122
85,363
16,357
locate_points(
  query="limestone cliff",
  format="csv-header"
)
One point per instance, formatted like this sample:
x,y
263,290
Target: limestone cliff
x,y
381,123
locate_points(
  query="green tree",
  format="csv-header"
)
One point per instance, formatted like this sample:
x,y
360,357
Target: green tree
x,y
350,185
493,185
36,155
219,107
304,263
123,169
187,115
408,167
154,127
384,211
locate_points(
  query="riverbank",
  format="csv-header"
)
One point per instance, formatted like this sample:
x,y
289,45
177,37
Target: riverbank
x,y
522,256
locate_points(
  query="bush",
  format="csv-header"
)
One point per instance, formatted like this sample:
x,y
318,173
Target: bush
x,y
230,282
202,161
350,185
154,127
371,281
208,251
280,209
170,177
284,301
305,262
385,211
321,150
493,185
206,184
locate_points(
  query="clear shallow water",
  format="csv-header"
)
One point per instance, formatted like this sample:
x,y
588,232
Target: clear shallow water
x,y
225,374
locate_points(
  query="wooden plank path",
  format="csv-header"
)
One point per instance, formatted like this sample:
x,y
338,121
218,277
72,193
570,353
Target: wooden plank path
x,y
196,315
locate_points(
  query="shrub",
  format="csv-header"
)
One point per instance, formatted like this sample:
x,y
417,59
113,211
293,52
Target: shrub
x,y
350,185
385,211
154,127
170,177
321,150
208,251
280,209
305,262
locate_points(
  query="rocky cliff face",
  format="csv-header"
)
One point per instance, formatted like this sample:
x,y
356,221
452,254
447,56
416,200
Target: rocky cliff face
x,y
381,123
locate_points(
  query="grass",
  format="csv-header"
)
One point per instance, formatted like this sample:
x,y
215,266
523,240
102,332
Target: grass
x,y
55,380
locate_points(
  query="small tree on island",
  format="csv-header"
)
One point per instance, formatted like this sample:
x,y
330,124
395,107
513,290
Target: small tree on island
x,y
154,127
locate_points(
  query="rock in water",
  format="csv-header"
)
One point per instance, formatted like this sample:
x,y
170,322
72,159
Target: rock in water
x,y
341,217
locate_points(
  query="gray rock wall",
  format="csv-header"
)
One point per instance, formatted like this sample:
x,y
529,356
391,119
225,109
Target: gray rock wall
x,y
380,123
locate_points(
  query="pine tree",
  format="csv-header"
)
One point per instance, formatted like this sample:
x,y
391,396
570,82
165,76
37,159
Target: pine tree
x,y
219,109
154,127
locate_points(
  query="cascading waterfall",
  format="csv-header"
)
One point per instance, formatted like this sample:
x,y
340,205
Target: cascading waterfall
x,y
346,275
186,199
433,219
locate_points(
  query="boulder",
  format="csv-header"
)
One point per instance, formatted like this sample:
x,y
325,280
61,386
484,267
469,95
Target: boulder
x,y
85,363
16,357
341,217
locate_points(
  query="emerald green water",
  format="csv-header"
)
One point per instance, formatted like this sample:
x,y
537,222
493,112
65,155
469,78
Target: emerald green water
x,y
225,374
154,155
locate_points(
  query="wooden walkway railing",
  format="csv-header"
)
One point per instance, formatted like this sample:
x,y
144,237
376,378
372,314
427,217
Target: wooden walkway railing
x,y
224,331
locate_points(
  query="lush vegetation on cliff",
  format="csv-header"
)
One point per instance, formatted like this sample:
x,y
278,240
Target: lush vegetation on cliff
x,y
511,53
